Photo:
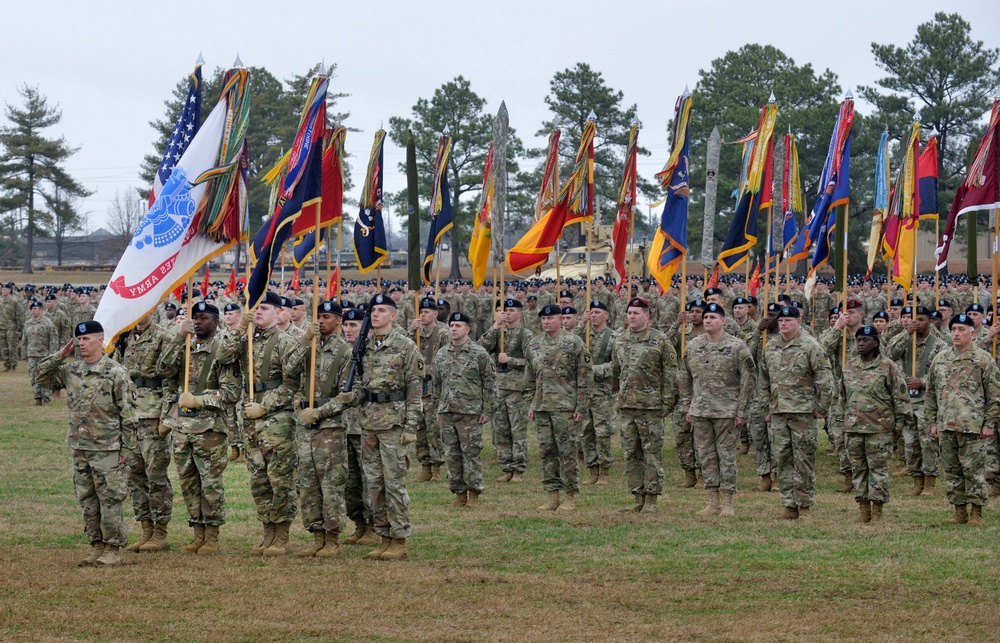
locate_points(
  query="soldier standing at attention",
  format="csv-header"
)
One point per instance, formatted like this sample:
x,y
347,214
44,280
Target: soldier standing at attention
x,y
389,393
510,422
433,335
851,318
963,408
39,339
232,313
797,383
644,371
200,424
560,373
715,381
270,425
139,351
11,322
64,327
322,434
595,433
101,400
465,392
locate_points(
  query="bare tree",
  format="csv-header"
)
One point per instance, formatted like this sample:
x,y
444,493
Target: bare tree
x,y
124,215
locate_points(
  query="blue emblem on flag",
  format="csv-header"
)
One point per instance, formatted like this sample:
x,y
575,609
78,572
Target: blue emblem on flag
x,y
170,215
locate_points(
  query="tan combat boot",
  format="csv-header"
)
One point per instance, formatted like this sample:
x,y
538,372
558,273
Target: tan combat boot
x,y
211,545
690,480
649,504
976,519
765,483
159,540
995,489
279,547
319,541
436,473
359,531
370,537
377,554
567,504
929,484
804,512
331,546
199,539
396,551
473,502
699,480
95,552
877,511
461,499
425,473
865,508
960,518
595,473
506,477
109,557
640,502
553,502
789,513
267,540
147,533
744,448
727,504
602,476
848,485
918,486
517,476
712,508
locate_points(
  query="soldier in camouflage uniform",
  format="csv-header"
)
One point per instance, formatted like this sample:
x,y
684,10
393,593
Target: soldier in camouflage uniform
x,y
64,327
715,381
510,422
795,384
84,310
322,434
270,425
433,335
39,339
101,402
11,322
465,395
760,435
357,499
139,351
200,424
876,410
832,342
690,325
595,432
963,405
559,371
644,372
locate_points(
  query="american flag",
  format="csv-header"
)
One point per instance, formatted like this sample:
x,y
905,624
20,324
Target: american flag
x,y
184,131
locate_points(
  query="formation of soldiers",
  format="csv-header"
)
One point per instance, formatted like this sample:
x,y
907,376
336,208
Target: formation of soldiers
x,y
325,422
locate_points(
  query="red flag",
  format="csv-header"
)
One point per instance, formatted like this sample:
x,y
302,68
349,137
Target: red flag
x,y
927,174
754,284
232,286
713,281
333,287
179,291
206,284
626,203
295,282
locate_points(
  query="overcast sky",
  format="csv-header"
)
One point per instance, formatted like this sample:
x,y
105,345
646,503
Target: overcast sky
x,y
110,65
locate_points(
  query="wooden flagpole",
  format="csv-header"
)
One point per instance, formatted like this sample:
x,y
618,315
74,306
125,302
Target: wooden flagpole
x,y
843,340
187,341
315,302
683,328
996,270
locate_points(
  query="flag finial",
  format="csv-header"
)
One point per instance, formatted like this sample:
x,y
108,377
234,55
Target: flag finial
x,y
238,64
916,116
687,92
849,95
592,116
446,131
322,67
200,60
771,98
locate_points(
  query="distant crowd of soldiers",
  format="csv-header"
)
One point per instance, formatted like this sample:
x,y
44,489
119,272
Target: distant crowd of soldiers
x,y
911,378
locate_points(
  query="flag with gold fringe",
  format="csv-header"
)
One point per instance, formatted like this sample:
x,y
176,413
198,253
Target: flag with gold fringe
x,y
791,195
370,247
549,194
881,206
442,217
330,204
481,241
908,221
621,231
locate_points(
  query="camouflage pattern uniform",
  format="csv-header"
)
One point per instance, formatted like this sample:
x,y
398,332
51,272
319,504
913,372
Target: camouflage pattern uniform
x,y
12,319
876,402
760,432
595,431
715,383
832,343
922,450
64,328
101,401
963,396
39,339
795,382
510,422
202,436
644,366
560,372
430,450
148,454
357,499
464,389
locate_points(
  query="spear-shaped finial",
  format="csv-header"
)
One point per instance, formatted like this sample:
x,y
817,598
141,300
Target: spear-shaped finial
x,y
687,92
849,95
238,64
916,116
771,98
201,60
592,116
322,67
446,131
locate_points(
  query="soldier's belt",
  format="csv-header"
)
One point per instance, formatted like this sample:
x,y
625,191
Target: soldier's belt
x,y
142,382
395,396
320,401
266,386
187,413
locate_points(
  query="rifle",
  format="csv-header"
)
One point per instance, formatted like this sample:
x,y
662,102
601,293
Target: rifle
x,y
358,354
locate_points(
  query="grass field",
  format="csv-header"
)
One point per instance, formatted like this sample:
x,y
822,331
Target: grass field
x,y
506,571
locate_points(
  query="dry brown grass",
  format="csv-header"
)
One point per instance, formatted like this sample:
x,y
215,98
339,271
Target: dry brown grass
x,y
504,572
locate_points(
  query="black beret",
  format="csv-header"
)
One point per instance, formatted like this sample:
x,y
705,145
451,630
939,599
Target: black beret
x,y
532,298
459,317
881,315
597,303
272,298
944,303
382,300
788,312
170,306
353,314
331,307
512,303
773,307
202,307
896,301
443,303
921,310
35,304
741,301
784,297
976,308
797,304
569,310
835,310
963,320
712,291
550,310
428,303
88,328
231,307
50,297
867,331
715,308
296,302
697,303
565,293
937,315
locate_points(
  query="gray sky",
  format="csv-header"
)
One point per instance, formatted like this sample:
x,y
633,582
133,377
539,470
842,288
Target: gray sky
x,y
111,64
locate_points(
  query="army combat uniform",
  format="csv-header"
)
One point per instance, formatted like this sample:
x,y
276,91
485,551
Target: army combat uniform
x,y
510,422
429,448
39,339
11,322
595,430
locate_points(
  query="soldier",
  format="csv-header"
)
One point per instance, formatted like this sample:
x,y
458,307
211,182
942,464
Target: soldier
x,y
766,331
84,311
510,422
465,395
433,335
963,406
64,327
284,319
201,425
139,351
832,342
797,383
683,433
322,434
876,410
270,426
531,319
101,402
559,371
715,381
595,432
39,339
11,322
644,370
232,313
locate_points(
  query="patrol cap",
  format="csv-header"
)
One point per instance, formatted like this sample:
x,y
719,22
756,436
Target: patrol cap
x,y
202,307
170,306
459,317
271,298
35,304
428,303
597,303
88,328
330,307
382,300
569,310
565,293
881,315
550,310
853,304
715,309
231,307
638,302
712,291
510,302
962,320
867,331
353,314
788,312
976,308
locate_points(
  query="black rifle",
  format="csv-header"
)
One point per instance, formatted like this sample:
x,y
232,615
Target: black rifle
x,y
358,354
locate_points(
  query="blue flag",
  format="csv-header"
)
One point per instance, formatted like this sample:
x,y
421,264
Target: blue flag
x,y
370,247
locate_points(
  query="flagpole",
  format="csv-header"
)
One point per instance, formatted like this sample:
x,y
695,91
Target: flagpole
x,y
340,245
937,273
843,341
187,340
590,234
250,330
631,250
913,300
683,328
416,307
996,269
315,301
768,245
503,308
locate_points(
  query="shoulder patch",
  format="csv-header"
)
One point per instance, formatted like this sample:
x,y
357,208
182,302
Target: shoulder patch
x,y
586,357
